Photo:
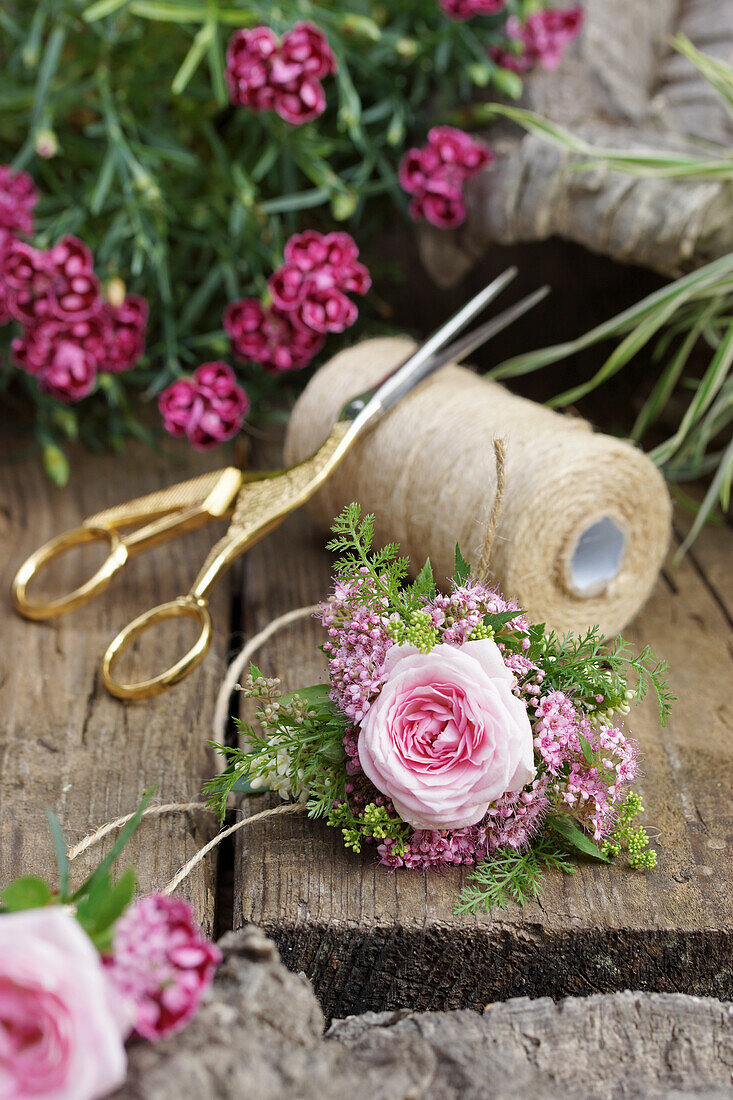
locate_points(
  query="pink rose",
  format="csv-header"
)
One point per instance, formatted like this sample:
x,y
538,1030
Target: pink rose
x,y
60,1036
446,736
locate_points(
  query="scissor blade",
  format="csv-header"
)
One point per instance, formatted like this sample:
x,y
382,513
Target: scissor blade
x,y
421,362
473,340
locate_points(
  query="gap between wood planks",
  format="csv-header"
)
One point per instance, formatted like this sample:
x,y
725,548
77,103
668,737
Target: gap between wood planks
x,y
224,882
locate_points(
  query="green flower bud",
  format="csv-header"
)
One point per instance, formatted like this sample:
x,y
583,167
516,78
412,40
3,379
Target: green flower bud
x,y
507,83
360,27
344,204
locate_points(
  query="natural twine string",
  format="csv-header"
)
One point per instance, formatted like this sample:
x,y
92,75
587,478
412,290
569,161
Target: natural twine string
x,y
221,714
428,473
182,807
233,673
484,565
294,808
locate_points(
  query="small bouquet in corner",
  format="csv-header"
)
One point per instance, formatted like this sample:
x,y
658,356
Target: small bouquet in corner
x,y
84,967
453,730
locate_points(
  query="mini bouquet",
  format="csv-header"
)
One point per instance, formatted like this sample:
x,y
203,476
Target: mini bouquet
x,y
453,730
83,969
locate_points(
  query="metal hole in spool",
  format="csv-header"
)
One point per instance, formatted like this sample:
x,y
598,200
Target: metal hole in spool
x,y
596,558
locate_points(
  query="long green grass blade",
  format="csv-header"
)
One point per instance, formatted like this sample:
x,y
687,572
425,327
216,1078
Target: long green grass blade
x,y
626,350
713,380
664,387
700,282
718,491
716,72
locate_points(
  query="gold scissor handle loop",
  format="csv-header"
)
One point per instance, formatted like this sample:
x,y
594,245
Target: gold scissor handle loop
x,y
184,607
78,536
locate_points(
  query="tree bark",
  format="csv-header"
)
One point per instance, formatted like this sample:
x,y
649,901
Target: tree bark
x,y
623,87
260,1035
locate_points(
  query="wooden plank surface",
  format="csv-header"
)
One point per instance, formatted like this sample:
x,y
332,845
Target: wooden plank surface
x,y
64,742
373,940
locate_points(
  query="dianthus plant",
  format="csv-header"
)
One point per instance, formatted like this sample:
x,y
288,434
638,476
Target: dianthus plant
x,y
452,729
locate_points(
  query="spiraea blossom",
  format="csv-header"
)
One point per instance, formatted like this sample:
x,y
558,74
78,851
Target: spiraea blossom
x,y
310,298
207,408
540,39
434,175
267,74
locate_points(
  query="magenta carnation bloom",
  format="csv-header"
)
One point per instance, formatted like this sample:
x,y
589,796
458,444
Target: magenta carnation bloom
x,y
18,196
328,310
273,337
126,325
207,408
161,963
25,276
467,9
434,175
70,374
74,292
318,272
35,349
306,49
266,75
540,39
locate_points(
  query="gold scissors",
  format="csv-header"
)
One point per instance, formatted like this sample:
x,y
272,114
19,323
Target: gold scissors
x,y
257,501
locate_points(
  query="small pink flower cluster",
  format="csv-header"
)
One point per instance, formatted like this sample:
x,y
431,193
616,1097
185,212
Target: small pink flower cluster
x,y
467,9
285,76
309,294
70,333
511,822
540,40
207,408
589,792
435,174
356,647
457,614
161,963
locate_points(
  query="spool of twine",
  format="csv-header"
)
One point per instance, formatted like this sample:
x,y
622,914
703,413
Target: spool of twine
x,y
584,521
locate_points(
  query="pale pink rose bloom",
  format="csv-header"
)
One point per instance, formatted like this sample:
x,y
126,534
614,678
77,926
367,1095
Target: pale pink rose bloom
x,y
446,736
61,1034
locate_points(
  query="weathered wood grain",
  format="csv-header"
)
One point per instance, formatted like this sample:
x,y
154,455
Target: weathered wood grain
x,y
373,940
64,742
259,1035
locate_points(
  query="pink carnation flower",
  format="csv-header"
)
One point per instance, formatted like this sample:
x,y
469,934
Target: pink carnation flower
x,y
446,736
125,342
61,1026
540,40
26,279
18,196
266,75
273,337
207,408
435,174
71,373
161,963
318,273
467,9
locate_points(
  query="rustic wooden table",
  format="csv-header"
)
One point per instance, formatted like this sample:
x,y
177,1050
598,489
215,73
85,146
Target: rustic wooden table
x,y
367,939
